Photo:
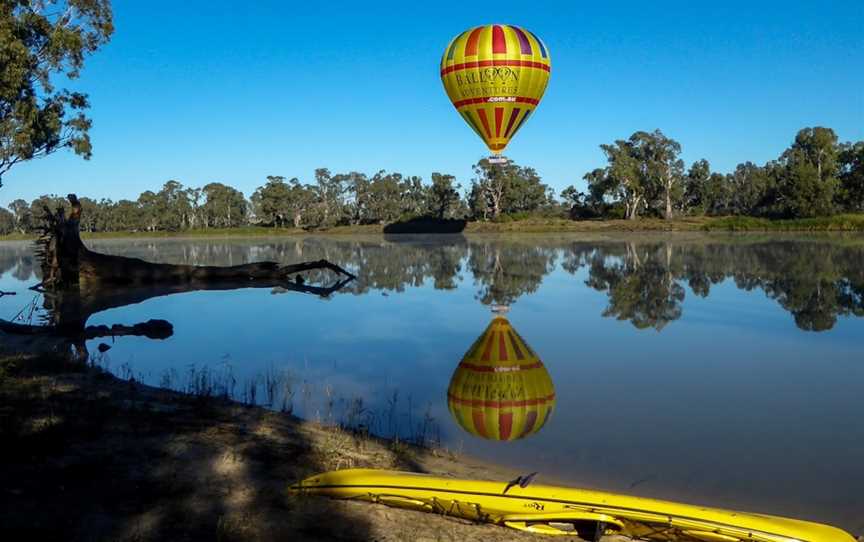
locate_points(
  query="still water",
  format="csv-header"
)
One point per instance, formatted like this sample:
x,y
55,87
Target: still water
x,y
720,370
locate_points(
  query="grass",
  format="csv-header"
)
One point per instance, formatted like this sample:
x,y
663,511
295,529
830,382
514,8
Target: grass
x,y
526,224
277,389
844,222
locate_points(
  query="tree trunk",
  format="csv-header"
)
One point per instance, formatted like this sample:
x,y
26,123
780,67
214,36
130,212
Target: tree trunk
x,y
78,283
668,201
66,262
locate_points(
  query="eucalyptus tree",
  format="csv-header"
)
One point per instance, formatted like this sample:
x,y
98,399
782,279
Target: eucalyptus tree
x,y
330,195
270,202
225,207
661,163
22,214
414,196
385,203
750,187
443,195
152,209
625,178
809,175
696,188
851,175
7,223
175,206
506,188
278,203
356,186
92,215
124,215
195,198
42,43
579,204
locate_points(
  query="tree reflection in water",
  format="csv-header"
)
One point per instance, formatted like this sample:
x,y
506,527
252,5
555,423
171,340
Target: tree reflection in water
x,y
641,286
814,280
646,279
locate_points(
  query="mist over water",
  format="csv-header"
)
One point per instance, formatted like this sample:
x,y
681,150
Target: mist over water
x,y
725,370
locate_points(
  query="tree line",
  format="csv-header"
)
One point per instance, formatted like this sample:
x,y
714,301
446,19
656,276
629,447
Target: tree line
x,y
644,177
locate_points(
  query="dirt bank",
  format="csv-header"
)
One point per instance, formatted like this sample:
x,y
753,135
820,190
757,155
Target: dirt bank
x,y
87,456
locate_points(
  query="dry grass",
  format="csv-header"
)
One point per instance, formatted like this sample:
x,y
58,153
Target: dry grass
x,y
531,224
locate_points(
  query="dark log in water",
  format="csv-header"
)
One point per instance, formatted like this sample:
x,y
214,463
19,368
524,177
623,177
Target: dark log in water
x,y
78,282
67,262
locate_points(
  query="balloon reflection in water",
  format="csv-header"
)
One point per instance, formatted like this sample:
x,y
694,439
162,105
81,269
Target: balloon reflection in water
x,y
501,390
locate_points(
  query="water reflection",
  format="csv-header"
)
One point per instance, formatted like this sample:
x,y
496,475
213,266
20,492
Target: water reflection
x,y
640,285
816,280
501,390
65,312
737,401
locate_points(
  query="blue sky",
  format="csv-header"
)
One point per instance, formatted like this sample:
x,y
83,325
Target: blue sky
x,y
202,91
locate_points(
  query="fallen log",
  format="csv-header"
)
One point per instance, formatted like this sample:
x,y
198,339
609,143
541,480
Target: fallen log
x,y
78,282
66,262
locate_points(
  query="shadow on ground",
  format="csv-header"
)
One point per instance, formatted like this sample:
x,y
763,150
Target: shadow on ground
x,y
427,225
86,456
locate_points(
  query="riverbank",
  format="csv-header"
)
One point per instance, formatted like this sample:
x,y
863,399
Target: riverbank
x,y
846,222
86,455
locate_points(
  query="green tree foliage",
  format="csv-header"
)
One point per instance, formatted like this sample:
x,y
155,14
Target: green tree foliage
x,y
225,207
279,203
444,196
643,171
385,193
23,216
809,175
815,176
506,189
623,180
697,187
41,42
330,195
7,222
851,175
749,189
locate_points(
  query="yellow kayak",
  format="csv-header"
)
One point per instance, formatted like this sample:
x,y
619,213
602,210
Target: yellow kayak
x,y
563,511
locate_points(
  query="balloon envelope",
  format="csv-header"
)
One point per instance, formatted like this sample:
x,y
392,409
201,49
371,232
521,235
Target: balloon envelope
x,y
495,75
501,390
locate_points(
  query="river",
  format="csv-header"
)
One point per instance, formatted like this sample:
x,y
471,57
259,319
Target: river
x,y
724,370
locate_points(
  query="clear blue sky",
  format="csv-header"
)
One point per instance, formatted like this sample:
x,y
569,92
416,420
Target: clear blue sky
x,y
203,91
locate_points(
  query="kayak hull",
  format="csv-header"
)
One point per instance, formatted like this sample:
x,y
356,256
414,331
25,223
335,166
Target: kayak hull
x,y
561,510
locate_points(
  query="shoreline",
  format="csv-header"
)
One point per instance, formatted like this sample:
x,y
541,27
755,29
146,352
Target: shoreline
x,y
184,464
171,465
838,223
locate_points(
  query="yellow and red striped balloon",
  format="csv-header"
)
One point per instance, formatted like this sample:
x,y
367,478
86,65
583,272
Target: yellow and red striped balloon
x,y
495,75
501,390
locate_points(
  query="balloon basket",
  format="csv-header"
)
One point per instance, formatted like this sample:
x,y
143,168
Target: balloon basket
x,y
500,160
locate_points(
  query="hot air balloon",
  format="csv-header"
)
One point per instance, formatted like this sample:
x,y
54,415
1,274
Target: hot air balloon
x,y
501,390
495,75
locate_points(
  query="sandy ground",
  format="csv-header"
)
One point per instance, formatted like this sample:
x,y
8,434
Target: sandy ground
x,y
87,456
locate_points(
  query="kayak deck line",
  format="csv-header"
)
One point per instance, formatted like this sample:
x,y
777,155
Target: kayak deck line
x,y
589,507
561,510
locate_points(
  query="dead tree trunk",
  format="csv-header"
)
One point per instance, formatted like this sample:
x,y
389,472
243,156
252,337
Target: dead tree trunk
x,y
66,262
78,282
